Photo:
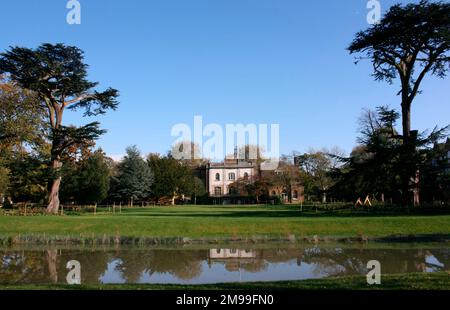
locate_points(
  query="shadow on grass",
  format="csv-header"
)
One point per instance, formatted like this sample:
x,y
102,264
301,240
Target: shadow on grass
x,y
281,214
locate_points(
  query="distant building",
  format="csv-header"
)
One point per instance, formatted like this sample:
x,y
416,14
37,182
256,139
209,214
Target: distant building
x,y
223,181
291,191
220,176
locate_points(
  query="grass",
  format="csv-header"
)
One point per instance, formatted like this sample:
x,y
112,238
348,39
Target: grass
x,y
228,222
414,281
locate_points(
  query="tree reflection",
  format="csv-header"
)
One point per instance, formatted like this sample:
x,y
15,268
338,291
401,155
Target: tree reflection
x,y
49,265
184,264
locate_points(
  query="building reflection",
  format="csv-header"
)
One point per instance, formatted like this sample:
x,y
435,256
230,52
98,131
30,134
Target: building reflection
x,y
133,265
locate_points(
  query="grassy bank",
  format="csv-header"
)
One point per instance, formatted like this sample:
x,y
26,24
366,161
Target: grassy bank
x,y
416,281
209,222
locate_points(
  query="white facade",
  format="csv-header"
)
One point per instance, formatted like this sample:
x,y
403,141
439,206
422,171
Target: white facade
x,y
221,176
231,253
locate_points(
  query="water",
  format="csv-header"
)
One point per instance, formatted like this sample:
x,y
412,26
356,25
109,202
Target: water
x,y
187,265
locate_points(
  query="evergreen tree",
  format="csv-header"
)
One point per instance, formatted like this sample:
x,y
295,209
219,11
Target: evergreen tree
x,y
134,178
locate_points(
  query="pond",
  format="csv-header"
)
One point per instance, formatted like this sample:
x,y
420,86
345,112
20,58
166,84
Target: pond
x,y
230,263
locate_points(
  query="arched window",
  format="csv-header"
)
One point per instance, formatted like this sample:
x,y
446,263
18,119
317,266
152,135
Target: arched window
x,y
246,176
217,177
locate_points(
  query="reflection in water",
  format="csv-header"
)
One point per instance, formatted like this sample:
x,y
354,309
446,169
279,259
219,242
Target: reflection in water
x,y
180,265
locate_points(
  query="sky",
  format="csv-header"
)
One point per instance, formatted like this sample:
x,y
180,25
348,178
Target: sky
x,y
230,61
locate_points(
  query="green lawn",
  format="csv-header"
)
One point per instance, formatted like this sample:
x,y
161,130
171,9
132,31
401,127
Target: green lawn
x,y
222,222
416,281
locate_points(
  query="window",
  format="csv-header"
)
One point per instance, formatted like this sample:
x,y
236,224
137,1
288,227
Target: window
x,y
246,176
274,193
295,195
231,176
217,177
218,191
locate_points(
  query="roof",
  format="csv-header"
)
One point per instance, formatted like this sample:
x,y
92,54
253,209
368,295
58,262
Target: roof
x,y
229,165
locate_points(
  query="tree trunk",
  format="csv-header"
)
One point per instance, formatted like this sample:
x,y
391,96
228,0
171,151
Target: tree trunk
x,y
406,120
416,189
53,198
324,197
406,174
51,256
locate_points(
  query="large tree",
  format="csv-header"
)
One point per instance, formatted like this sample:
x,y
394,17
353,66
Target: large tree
x,y
134,178
87,179
317,166
57,74
410,42
172,177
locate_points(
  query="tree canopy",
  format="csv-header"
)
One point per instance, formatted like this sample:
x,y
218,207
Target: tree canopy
x,y
57,75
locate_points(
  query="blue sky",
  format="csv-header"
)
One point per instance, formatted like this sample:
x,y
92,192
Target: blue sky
x,y
230,61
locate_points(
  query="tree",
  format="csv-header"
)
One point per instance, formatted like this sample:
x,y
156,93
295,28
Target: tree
x,y
196,187
87,180
172,177
58,76
134,177
373,166
410,42
317,166
28,176
21,119
188,153
4,182
94,178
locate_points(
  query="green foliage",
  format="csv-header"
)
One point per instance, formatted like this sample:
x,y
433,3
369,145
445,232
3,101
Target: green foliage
x,y
173,178
408,37
21,118
28,178
57,75
316,168
410,42
134,178
86,181
375,167
4,181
